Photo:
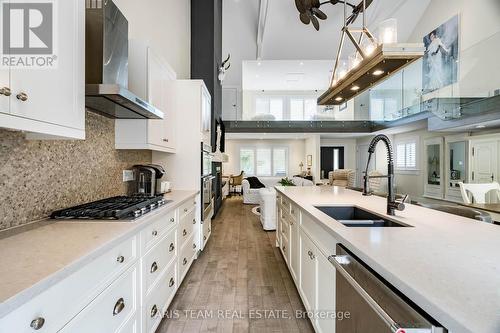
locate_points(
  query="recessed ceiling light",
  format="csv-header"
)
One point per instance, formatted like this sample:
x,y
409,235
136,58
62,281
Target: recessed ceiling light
x,y
338,99
259,63
301,63
480,126
256,75
355,88
378,72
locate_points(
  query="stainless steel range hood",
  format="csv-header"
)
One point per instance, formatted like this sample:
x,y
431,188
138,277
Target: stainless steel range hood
x,y
106,65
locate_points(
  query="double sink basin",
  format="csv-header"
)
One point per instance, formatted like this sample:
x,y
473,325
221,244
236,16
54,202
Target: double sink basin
x,y
352,216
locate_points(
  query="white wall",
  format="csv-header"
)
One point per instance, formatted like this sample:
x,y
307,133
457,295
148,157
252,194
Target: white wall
x,y
296,153
312,147
165,26
479,39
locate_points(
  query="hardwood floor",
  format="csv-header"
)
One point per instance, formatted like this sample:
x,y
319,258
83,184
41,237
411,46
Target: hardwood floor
x,y
237,281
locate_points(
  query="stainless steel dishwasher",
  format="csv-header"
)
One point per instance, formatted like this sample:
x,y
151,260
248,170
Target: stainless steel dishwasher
x,y
369,304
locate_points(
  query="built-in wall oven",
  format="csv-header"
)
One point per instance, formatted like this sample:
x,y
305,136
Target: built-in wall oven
x,y
207,193
373,305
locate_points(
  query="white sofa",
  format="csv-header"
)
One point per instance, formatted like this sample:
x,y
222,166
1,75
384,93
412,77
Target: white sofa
x,y
251,196
267,204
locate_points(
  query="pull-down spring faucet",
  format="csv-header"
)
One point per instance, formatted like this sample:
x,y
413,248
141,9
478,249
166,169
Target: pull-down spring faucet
x,y
392,204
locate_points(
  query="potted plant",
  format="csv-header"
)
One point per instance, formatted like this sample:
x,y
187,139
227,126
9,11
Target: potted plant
x,y
286,182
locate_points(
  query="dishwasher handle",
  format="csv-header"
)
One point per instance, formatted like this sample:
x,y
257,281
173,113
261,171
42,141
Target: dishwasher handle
x,y
395,327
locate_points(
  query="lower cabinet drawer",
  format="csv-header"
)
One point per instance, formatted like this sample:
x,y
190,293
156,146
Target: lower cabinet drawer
x,y
187,207
156,261
158,229
56,306
186,227
110,310
156,304
186,257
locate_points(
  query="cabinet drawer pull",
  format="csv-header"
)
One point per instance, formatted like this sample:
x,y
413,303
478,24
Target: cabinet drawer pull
x,y
194,246
120,259
6,92
171,247
165,140
119,306
209,229
283,247
154,311
184,232
185,210
171,283
37,323
204,238
154,267
311,255
172,219
184,262
154,233
22,96
194,221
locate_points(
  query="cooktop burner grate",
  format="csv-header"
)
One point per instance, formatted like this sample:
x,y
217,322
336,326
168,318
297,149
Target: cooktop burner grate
x,y
116,208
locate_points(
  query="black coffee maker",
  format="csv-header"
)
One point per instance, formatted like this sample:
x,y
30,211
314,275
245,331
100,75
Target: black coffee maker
x,y
145,179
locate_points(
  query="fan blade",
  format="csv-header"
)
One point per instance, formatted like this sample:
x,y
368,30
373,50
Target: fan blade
x,y
304,18
300,6
315,3
319,14
315,23
367,4
308,4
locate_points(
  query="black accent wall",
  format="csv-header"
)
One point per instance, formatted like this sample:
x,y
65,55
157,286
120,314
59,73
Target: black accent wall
x,y
206,52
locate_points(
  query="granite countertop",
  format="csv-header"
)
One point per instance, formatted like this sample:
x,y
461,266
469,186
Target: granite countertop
x,y
34,260
448,265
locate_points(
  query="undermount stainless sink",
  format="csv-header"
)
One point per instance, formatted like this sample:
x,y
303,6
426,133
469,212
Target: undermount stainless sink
x,y
352,216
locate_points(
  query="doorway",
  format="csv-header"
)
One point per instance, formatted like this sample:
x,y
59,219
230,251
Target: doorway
x,y
332,158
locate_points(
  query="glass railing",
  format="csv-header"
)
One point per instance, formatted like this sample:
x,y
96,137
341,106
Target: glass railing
x,y
474,89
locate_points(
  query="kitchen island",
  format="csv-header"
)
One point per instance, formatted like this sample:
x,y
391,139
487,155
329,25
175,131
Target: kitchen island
x,y
449,266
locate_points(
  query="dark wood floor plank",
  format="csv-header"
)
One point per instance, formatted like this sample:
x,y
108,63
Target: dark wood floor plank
x,y
239,276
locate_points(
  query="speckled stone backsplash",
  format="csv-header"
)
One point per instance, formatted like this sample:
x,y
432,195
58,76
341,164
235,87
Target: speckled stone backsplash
x,y
38,177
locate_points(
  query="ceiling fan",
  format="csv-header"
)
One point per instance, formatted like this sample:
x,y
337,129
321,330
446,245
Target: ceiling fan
x,y
309,11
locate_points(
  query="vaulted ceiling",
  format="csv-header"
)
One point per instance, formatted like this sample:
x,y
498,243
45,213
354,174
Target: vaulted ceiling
x,y
284,37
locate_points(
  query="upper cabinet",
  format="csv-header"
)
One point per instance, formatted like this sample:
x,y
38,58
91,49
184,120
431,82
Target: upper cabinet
x,y
150,78
42,90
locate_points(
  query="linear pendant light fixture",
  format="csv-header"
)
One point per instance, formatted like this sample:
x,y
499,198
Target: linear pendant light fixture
x,y
372,63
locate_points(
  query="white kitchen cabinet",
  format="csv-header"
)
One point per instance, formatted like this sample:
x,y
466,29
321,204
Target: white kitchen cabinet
x,y
125,290
294,249
49,102
110,310
150,78
325,295
308,272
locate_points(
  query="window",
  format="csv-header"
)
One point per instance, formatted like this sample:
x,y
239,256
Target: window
x,y
247,161
264,161
406,155
303,108
269,105
279,162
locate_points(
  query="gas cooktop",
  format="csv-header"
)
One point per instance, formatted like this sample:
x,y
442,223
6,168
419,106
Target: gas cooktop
x,y
115,208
